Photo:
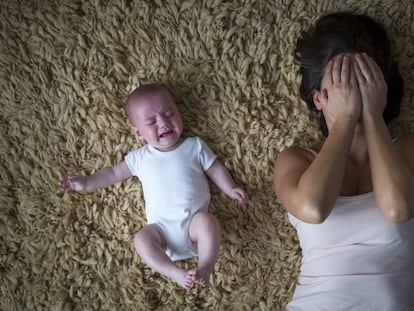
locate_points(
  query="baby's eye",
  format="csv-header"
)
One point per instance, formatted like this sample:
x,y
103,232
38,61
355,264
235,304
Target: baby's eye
x,y
150,122
169,114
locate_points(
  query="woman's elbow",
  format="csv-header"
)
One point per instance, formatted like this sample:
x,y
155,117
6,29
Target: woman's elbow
x,y
313,213
397,208
398,214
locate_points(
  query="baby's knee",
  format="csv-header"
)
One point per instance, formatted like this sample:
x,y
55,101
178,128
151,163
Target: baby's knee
x,y
139,240
213,221
148,235
206,219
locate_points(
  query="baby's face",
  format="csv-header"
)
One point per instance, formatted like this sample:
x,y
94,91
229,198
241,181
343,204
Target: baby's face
x,y
156,119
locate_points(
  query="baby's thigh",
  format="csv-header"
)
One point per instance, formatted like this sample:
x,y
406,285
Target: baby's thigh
x,y
150,234
203,223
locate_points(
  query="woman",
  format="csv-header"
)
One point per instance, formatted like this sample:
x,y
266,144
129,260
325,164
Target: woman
x,y
350,196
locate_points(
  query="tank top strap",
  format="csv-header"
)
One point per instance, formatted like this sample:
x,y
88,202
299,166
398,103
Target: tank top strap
x,y
311,151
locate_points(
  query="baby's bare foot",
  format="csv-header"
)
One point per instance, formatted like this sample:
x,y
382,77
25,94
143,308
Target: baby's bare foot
x,y
202,276
185,278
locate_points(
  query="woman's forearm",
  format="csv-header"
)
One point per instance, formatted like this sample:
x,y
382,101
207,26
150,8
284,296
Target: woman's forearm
x,y
393,182
321,183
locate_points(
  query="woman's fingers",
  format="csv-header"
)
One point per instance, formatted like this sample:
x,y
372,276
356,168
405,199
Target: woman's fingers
x,y
372,85
328,71
345,70
337,69
341,69
364,67
368,68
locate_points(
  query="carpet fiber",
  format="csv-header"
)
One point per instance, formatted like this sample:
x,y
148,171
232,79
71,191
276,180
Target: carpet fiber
x,y
66,69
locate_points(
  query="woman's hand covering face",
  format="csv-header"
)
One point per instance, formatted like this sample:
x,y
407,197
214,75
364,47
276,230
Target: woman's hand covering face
x,y
372,85
340,94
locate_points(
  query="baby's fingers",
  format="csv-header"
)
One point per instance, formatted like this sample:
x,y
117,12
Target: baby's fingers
x,y
68,183
240,195
243,199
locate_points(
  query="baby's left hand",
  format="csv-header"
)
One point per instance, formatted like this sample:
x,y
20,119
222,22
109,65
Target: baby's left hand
x,y
239,194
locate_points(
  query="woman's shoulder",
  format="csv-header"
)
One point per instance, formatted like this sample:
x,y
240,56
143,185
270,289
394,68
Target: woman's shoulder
x,y
301,152
293,160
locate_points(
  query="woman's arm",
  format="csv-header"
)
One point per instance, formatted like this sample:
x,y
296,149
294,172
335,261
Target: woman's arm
x,y
392,172
392,177
308,188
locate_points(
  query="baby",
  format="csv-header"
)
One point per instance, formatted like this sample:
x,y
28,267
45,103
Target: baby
x,y
172,170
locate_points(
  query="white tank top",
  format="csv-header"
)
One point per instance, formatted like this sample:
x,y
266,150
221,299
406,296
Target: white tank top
x,y
355,260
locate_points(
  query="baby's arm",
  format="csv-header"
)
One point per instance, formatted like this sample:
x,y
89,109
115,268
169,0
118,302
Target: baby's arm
x,y
222,178
104,177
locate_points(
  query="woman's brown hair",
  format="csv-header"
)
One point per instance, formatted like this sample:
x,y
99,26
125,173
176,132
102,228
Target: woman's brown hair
x,y
344,32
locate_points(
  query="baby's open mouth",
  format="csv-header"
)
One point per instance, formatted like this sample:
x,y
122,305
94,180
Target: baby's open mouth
x,y
166,133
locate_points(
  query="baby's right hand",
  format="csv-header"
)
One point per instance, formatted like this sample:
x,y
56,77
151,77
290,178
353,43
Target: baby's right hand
x,y
239,195
70,183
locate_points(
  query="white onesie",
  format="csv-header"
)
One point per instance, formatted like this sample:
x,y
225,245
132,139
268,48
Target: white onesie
x,y
175,188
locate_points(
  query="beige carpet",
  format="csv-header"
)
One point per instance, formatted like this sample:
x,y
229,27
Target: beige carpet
x,y
66,69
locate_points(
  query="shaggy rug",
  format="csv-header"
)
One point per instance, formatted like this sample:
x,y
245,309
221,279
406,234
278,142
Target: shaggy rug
x,y
66,69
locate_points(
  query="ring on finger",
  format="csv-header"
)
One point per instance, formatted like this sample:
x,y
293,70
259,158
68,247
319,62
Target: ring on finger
x,y
367,73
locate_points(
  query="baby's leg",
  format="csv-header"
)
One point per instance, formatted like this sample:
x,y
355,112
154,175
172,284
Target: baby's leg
x,y
205,232
150,245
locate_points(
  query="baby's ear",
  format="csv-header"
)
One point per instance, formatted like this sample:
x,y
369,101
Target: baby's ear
x,y
135,131
319,97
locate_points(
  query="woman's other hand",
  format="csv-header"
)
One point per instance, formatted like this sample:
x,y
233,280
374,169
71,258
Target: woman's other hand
x,y
372,86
